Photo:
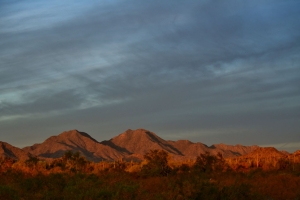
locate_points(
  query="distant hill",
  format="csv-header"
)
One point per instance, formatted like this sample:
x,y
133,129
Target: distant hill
x,y
297,153
232,150
189,149
265,152
192,150
9,151
56,146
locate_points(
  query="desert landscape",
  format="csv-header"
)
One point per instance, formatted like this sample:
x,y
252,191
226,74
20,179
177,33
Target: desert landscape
x,y
138,164
150,100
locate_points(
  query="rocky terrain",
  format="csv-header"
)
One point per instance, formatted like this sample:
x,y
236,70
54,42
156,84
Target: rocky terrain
x,y
7,150
132,144
265,152
140,141
56,146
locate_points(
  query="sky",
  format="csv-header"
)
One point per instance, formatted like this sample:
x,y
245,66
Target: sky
x,y
209,71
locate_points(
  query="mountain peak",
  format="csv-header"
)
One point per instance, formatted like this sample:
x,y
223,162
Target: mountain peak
x,y
74,140
75,134
138,134
140,141
138,131
72,133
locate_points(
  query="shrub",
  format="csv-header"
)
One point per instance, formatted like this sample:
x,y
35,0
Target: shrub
x,y
157,163
207,162
31,161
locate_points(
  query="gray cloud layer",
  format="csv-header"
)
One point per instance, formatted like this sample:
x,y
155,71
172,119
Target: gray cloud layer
x,y
209,71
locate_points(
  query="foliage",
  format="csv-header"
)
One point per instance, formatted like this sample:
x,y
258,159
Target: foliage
x,y
70,161
159,178
157,163
6,163
207,162
31,161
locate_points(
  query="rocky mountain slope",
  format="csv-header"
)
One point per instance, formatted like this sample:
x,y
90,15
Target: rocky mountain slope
x,y
232,150
132,144
265,152
74,140
192,150
297,153
141,141
9,151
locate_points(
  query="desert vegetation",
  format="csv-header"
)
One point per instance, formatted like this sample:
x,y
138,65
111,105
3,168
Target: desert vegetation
x,y
158,176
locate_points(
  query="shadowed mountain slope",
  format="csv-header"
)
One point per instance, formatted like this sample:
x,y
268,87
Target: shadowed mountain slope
x,y
232,150
9,151
132,144
192,150
188,148
73,140
140,141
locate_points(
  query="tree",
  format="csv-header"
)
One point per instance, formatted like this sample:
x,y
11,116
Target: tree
x,y
67,156
32,161
157,163
207,162
74,161
6,163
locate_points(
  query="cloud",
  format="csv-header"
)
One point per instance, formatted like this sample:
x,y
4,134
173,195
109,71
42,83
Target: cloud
x,y
158,64
43,103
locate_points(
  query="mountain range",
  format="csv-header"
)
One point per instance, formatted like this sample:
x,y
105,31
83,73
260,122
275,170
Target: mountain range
x,y
130,145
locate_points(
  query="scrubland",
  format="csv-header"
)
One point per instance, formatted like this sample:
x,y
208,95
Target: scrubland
x,y
157,177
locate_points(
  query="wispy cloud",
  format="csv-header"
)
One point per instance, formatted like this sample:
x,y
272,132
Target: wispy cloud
x,y
199,66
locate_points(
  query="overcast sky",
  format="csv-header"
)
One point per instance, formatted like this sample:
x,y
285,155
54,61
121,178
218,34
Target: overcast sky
x,y
209,71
